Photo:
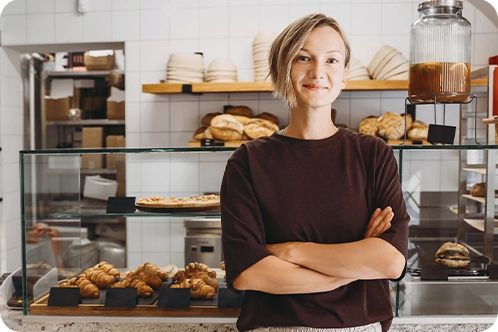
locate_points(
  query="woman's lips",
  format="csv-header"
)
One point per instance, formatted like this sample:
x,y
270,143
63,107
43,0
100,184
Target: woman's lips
x,y
315,87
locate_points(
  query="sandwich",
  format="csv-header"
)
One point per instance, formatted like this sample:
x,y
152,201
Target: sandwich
x,y
453,255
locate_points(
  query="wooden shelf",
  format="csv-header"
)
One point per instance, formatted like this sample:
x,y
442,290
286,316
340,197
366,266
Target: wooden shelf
x,y
479,224
234,87
478,199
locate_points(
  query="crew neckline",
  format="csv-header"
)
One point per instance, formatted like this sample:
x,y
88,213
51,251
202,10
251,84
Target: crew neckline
x,y
280,137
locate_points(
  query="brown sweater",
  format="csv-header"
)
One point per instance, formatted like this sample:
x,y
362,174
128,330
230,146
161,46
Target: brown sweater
x,y
277,189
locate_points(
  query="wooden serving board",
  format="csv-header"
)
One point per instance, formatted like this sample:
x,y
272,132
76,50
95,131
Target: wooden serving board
x,y
41,308
407,142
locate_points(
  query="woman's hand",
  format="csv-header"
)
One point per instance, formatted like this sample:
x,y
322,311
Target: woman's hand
x,y
380,221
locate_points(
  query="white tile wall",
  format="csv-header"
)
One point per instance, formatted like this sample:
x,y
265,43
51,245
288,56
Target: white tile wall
x,y
153,29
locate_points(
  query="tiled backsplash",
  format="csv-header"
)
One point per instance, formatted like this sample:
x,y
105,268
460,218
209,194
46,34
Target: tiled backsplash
x,y
151,30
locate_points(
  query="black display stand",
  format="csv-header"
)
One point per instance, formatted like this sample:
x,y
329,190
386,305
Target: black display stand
x,y
120,205
121,297
173,297
64,297
433,271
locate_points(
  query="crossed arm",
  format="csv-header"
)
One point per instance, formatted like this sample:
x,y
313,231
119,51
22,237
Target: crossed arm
x,y
325,267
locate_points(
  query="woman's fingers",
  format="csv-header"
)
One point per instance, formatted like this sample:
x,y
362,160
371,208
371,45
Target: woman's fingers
x,y
379,222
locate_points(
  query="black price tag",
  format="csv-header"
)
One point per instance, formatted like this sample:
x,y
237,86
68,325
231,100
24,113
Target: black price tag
x,y
120,205
228,298
64,297
173,297
441,134
121,297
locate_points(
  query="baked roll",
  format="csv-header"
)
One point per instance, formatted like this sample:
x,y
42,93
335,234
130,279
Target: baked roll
x,y
418,133
203,132
256,128
368,125
206,119
391,125
225,127
268,116
478,189
239,110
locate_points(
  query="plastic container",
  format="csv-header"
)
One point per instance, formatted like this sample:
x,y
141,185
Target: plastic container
x,y
440,54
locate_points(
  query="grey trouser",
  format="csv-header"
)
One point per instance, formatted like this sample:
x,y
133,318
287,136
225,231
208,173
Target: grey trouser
x,y
375,327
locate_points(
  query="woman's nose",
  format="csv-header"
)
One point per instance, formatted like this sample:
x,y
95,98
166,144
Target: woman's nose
x,y
317,70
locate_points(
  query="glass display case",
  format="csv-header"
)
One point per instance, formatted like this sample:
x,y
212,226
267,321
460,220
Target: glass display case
x,y
59,197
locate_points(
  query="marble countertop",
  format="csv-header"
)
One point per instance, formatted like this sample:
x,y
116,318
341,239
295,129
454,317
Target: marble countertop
x,y
14,320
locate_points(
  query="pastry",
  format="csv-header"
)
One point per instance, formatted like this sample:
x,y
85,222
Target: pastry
x,y
269,117
418,133
154,269
242,119
256,128
478,189
87,289
391,125
143,290
149,278
368,125
172,202
239,110
408,121
225,127
108,269
99,278
206,119
203,132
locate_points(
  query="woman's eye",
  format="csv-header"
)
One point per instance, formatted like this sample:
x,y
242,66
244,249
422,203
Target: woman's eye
x,y
302,58
332,60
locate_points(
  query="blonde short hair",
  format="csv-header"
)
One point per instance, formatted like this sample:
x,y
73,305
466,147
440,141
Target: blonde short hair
x,y
286,46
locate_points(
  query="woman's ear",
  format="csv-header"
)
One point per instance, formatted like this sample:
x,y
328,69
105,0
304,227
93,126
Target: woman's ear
x,y
343,85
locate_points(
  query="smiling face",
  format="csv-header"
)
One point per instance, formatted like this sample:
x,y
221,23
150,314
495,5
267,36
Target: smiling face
x,y
318,72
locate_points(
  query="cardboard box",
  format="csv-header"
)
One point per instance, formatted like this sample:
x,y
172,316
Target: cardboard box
x,y
121,175
114,141
115,110
92,137
57,109
105,62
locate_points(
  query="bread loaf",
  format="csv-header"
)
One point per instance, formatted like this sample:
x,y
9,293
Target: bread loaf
x,y
368,125
268,116
478,189
391,125
239,110
225,127
206,119
418,133
256,128
203,132
407,119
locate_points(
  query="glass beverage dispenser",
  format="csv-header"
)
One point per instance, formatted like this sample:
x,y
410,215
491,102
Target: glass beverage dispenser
x,y
440,51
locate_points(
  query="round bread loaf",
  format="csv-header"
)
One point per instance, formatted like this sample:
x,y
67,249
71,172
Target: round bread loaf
x,y
242,119
203,132
418,123
206,120
256,128
239,110
391,125
478,189
225,127
368,125
268,116
418,133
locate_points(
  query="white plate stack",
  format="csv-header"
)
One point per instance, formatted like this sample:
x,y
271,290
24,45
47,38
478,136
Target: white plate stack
x,y
260,48
185,68
357,71
221,70
388,64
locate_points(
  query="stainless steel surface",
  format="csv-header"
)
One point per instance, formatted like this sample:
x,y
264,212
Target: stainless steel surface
x,y
203,241
466,297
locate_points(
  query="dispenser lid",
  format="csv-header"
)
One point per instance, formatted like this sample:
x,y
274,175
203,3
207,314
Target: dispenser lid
x,y
440,3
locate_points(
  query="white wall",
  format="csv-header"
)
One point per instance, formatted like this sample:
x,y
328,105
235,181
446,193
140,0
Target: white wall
x,y
151,30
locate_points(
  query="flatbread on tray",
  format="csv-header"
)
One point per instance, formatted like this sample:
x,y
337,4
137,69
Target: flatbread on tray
x,y
185,202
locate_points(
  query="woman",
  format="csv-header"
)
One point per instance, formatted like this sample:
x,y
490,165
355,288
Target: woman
x,y
303,230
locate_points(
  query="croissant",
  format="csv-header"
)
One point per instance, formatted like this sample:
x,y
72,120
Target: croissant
x,y
108,269
150,279
143,290
185,283
87,289
207,279
154,269
179,276
195,267
199,290
99,277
